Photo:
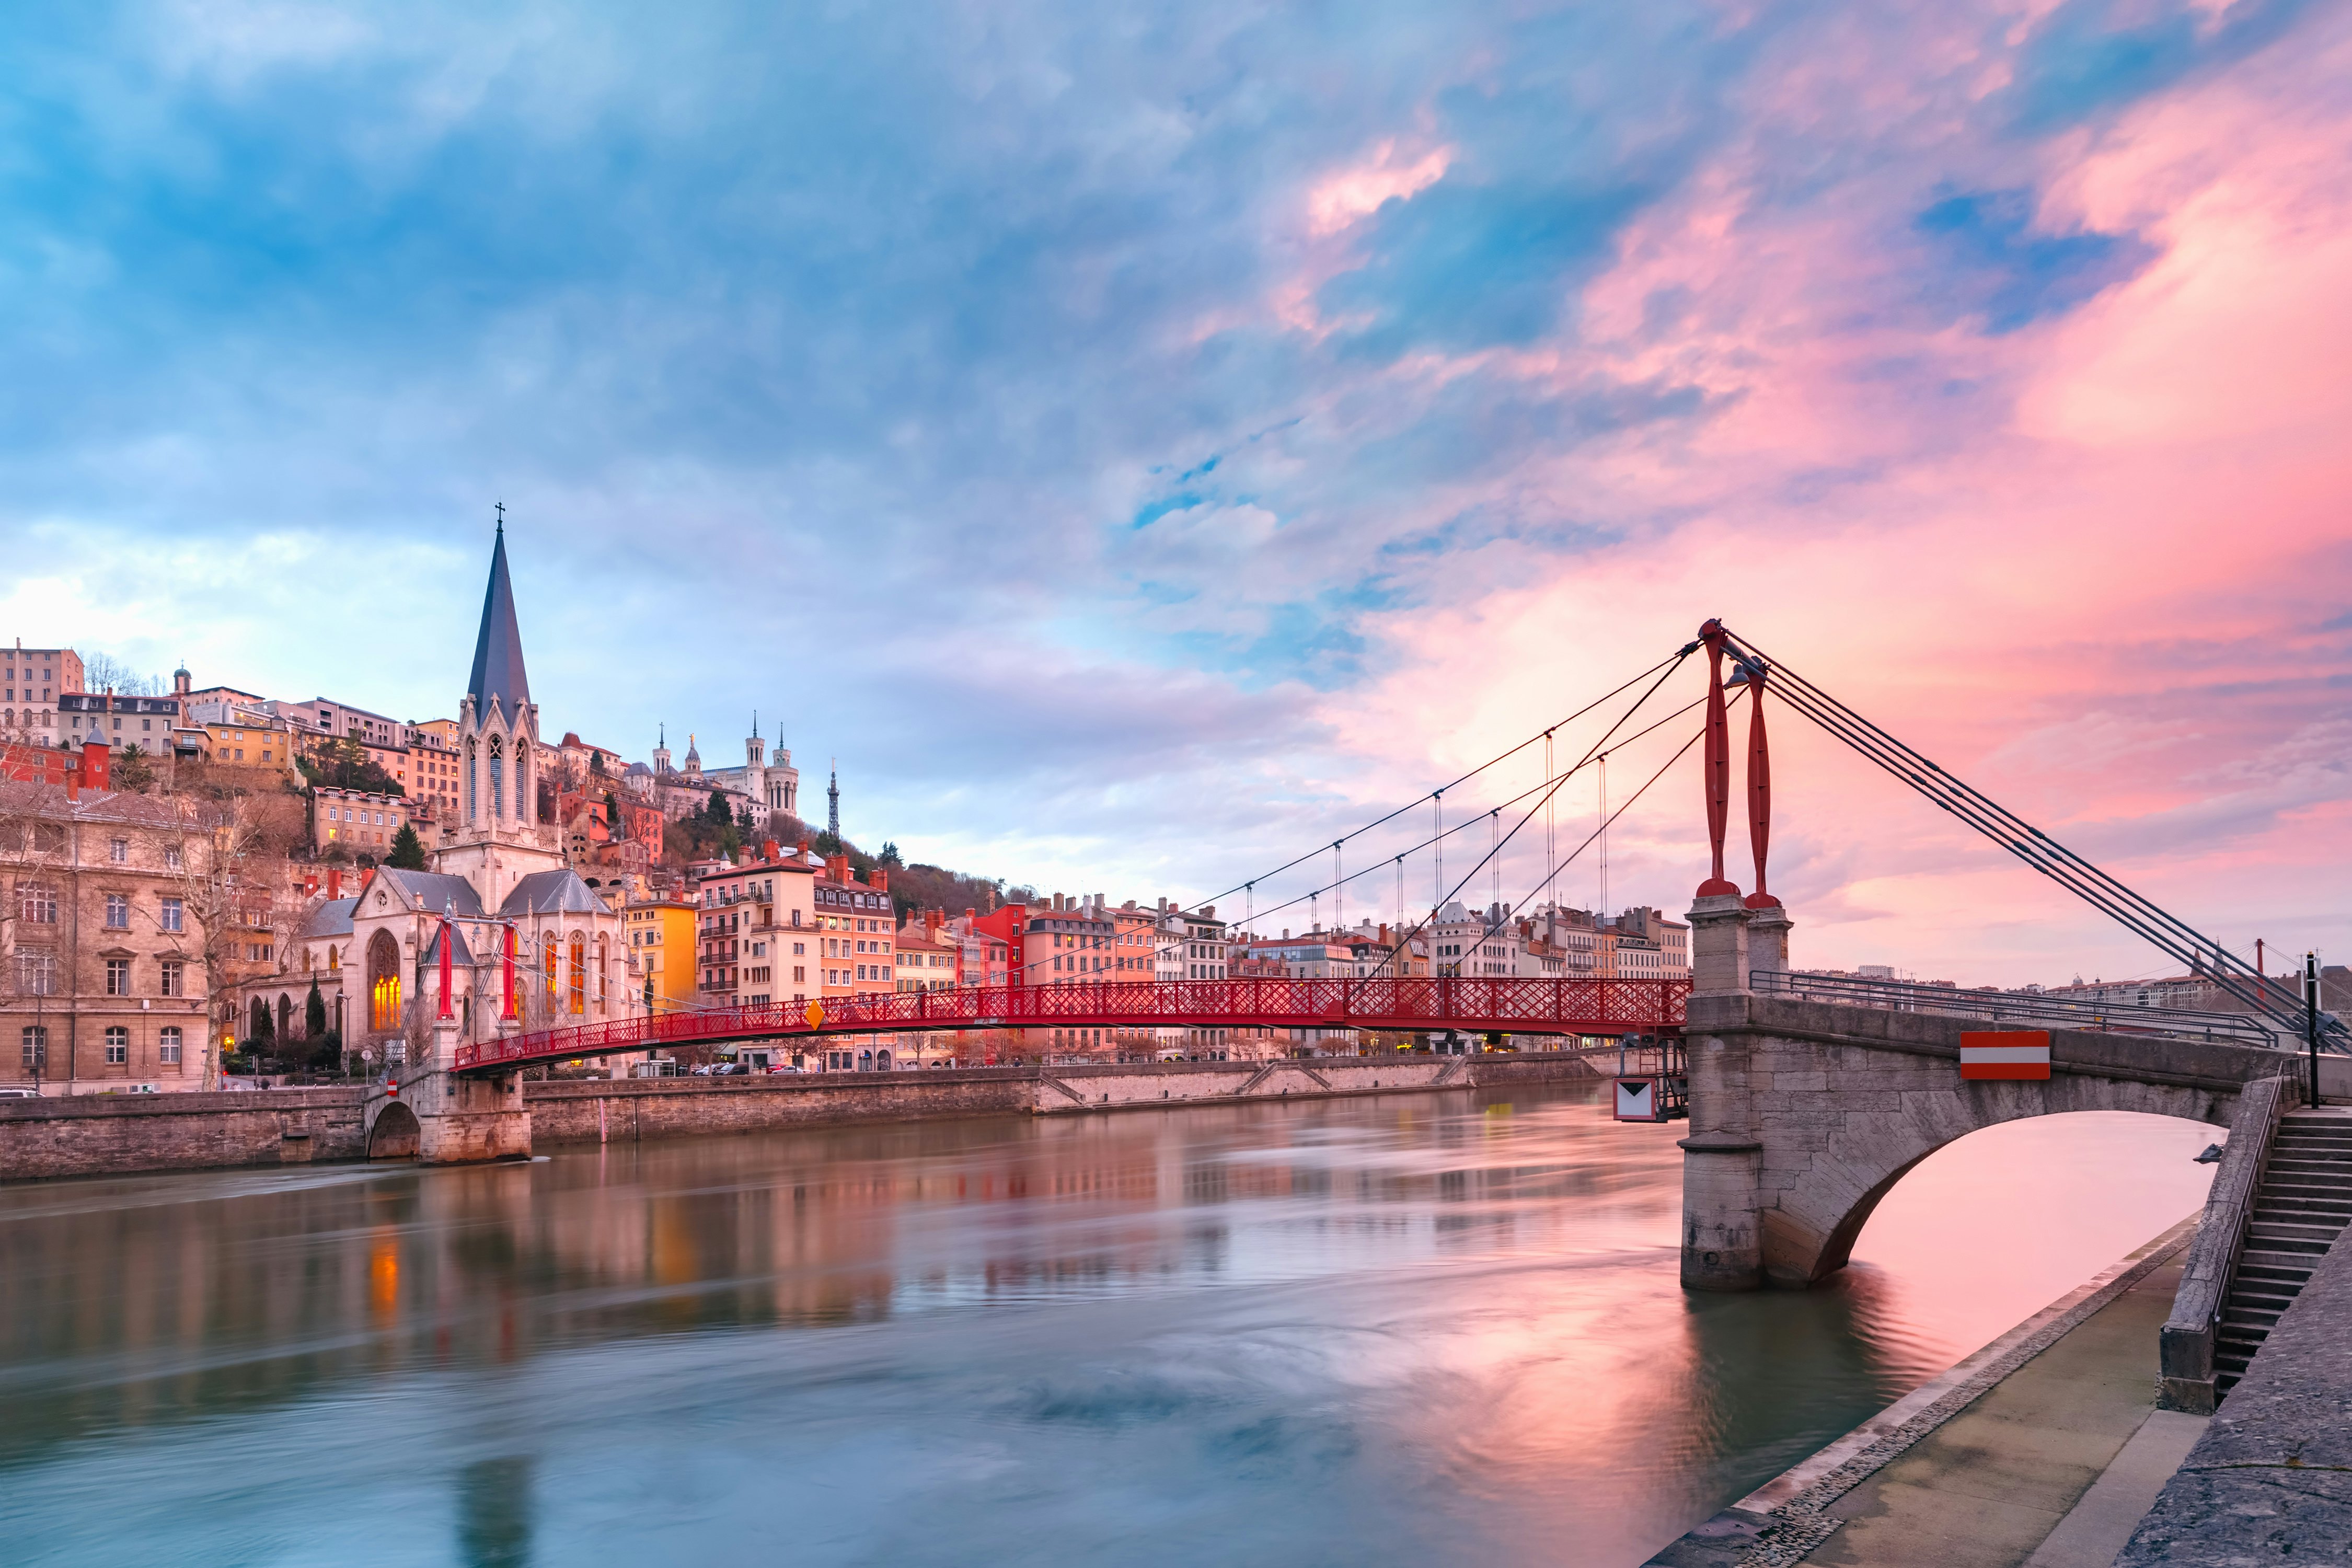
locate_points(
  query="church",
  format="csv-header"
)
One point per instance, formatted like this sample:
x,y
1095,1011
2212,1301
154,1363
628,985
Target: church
x,y
498,875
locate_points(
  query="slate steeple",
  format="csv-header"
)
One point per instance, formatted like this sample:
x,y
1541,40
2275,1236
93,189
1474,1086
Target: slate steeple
x,y
497,651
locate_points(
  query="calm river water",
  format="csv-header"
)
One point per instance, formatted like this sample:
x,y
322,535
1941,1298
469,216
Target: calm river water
x,y
1437,1329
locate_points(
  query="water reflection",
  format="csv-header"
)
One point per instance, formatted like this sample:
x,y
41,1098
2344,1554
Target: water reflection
x,y
1440,1328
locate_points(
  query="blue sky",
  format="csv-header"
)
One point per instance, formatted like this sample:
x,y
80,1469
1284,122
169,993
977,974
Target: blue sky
x,y
1132,439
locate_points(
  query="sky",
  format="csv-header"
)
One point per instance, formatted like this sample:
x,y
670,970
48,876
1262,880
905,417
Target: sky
x,y
1142,443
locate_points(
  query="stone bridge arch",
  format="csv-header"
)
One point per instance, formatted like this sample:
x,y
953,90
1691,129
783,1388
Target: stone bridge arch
x,y
1821,1178
393,1131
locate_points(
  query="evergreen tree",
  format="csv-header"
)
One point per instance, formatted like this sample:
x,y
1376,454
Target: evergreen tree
x,y
716,813
407,849
314,1013
264,1033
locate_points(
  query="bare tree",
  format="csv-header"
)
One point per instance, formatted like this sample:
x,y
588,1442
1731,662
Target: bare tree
x,y
33,835
104,672
213,850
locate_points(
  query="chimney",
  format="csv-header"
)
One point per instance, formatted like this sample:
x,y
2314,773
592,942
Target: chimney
x,y
877,878
769,850
933,920
1384,933
969,913
335,881
73,782
837,868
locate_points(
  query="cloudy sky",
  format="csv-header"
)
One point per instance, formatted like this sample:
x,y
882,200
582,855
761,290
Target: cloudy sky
x,y
1143,442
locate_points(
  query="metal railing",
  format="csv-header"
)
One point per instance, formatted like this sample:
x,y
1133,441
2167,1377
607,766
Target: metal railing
x,y
2024,1007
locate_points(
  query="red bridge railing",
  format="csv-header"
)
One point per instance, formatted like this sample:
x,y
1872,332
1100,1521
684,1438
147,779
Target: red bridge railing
x,y
1517,1006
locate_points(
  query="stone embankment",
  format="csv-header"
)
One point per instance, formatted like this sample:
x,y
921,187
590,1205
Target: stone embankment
x,y
121,1135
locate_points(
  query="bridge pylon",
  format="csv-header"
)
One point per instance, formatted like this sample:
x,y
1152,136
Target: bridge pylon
x,y
1721,1247
442,1118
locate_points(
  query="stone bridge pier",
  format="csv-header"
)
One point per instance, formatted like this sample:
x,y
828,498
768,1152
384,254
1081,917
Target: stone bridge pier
x,y
441,1119
1804,1114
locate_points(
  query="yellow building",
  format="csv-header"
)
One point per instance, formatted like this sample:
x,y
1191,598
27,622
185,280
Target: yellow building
x,y
661,937
243,740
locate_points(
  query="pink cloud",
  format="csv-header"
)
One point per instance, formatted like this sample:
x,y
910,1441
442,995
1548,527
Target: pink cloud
x,y
2103,603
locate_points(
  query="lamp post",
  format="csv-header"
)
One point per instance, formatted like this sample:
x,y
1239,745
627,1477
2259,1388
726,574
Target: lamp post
x,y
2311,1016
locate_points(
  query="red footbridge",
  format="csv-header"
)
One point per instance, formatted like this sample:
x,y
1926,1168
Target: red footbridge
x,y
1409,1006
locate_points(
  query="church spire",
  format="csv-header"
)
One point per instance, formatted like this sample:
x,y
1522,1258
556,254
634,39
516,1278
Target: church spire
x,y
497,648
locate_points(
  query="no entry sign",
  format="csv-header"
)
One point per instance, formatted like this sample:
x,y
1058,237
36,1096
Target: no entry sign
x,y
2012,1053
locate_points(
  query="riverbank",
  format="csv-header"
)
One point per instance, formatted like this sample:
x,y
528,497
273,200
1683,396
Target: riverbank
x,y
130,1134
2043,1448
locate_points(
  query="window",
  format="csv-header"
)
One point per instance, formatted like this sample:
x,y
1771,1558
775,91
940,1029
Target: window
x,y
167,1046
36,973
170,918
170,859
118,911
38,903
170,983
118,1045
119,849
36,1045
118,977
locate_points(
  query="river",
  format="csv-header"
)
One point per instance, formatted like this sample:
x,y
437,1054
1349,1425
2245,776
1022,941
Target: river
x,y
1434,1329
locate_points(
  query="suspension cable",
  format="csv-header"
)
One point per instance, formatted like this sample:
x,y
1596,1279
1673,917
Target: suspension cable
x,y
2133,911
1434,795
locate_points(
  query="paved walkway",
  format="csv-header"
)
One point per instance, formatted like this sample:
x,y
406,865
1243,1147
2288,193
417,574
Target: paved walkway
x,y
2050,1468
2043,1449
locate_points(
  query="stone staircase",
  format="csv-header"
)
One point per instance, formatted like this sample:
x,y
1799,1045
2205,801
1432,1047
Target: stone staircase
x,y
2304,1203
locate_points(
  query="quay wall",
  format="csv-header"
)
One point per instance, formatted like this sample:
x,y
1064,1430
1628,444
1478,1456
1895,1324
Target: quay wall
x,y
91,1135
114,1134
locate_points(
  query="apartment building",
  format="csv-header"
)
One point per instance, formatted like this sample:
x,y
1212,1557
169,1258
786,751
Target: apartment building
x,y
757,932
926,953
661,933
1474,945
107,974
1191,945
248,738
356,821
851,951
146,723
31,681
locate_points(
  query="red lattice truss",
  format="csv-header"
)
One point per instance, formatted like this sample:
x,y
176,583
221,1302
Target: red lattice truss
x,y
1472,1006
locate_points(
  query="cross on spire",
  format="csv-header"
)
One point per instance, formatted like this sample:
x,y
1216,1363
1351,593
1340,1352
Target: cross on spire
x,y
501,509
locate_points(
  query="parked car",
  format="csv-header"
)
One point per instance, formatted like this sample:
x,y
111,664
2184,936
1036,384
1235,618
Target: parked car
x,y
20,1094
784,1066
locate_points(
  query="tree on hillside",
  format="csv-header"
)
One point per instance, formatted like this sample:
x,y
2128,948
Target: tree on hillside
x,y
407,849
132,770
345,764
